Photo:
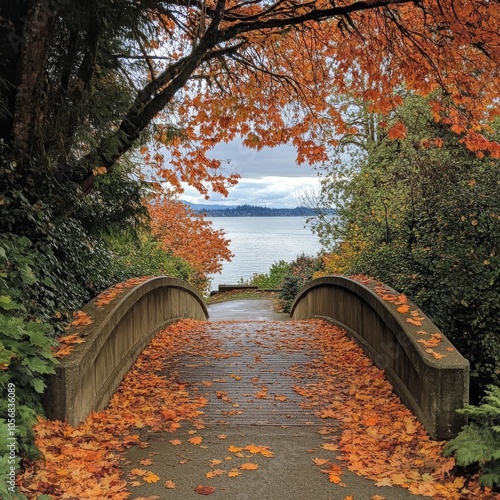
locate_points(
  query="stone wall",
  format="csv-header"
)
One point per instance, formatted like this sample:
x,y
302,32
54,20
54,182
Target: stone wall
x,y
87,378
432,388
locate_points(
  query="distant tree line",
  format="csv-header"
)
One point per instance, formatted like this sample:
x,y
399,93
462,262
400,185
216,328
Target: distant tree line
x,y
256,211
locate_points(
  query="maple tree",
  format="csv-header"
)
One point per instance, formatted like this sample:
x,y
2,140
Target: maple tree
x,y
186,234
200,73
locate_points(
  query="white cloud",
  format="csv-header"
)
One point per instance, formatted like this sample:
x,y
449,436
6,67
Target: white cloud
x,y
269,191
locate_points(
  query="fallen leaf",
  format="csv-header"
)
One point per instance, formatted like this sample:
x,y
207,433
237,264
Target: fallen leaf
x,y
169,484
150,477
168,413
195,440
204,490
414,321
263,450
249,466
330,446
138,472
320,461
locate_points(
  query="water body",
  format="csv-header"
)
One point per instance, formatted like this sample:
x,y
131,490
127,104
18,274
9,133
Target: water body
x,y
258,242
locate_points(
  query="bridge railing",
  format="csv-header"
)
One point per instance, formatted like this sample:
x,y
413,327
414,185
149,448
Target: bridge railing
x,y
433,383
86,379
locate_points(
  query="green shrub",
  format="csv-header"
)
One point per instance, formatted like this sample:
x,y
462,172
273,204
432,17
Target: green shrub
x,y
301,270
272,279
422,214
25,356
479,442
142,255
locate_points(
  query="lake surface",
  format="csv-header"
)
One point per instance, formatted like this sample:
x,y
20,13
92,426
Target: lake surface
x,y
258,242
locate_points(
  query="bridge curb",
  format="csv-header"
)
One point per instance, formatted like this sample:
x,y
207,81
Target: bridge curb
x,y
432,388
86,379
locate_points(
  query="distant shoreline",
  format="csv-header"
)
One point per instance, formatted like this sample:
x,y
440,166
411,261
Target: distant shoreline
x,y
256,211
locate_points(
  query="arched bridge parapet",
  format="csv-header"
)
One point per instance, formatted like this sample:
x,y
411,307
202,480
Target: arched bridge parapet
x,y
86,379
432,382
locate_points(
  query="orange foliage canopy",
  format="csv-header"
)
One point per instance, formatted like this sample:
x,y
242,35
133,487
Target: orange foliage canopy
x,y
264,71
186,234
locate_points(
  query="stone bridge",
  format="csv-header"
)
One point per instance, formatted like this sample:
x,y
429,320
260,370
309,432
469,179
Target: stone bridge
x,y
395,334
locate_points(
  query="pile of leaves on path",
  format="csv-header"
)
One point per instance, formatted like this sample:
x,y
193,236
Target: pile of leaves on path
x,y
380,439
83,462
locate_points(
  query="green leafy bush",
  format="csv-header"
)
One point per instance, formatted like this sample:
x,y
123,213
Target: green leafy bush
x,y
479,442
422,214
25,356
272,279
142,255
300,272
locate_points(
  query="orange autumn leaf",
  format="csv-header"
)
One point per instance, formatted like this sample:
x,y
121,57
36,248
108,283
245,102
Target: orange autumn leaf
x,y
150,477
195,440
330,446
328,413
204,490
138,472
175,442
249,466
403,309
413,321
334,478
397,131
215,473
234,449
233,473
320,461
64,351
81,318
146,461
168,413
263,450
434,354
170,484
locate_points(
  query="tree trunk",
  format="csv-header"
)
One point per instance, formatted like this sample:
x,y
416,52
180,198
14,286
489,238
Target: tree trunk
x,y
31,98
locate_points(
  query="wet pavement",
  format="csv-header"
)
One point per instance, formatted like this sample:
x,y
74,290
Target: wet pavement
x,y
243,310
258,438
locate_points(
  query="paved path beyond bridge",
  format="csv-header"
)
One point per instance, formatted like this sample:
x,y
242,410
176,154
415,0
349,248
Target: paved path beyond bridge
x,y
259,437
244,310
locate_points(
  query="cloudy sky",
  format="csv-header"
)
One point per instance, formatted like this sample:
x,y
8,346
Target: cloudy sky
x,y
269,177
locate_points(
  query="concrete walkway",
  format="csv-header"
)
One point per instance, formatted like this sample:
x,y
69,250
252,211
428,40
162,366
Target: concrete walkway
x,y
251,401
243,310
